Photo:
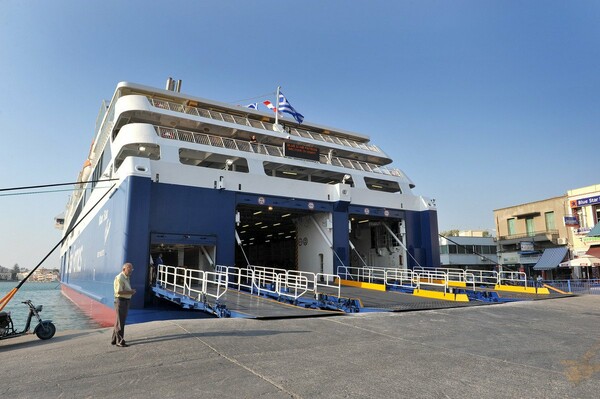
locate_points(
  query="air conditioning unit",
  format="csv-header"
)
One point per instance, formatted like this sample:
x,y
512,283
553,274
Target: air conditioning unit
x,y
561,241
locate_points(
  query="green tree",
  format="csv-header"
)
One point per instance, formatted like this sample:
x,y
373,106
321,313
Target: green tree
x,y
450,233
16,269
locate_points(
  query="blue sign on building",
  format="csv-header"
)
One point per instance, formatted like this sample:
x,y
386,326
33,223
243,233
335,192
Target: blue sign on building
x,y
571,221
588,201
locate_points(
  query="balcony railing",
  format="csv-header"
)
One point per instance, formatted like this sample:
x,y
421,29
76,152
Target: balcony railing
x,y
245,146
239,120
550,234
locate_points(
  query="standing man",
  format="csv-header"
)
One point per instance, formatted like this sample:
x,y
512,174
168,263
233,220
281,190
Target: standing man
x,y
123,294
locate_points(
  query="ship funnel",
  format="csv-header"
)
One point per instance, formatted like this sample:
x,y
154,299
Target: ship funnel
x,y
170,84
178,86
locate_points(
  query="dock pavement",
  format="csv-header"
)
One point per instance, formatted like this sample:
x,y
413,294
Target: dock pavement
x,y
528,349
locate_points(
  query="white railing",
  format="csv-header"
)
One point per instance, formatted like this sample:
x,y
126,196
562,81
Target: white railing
x,y
454,275
330,281
220,116
238,277
291,285
401,278
264,280
513,278
264,149
485,277
192,283
434,278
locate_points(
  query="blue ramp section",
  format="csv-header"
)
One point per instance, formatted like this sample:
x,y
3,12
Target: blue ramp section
x,y
242,304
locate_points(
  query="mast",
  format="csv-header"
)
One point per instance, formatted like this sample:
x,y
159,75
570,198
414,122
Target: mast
x,y
277,107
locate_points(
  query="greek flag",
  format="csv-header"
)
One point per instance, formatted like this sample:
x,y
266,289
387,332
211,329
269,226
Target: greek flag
x,y
252,106
285,106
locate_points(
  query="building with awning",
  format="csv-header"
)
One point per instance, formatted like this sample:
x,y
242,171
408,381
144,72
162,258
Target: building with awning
x,y
550,259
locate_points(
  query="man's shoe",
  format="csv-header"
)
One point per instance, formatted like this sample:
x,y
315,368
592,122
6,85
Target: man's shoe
x,y
113,343
123,345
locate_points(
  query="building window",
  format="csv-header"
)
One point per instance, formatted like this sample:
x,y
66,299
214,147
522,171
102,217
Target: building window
x,y
530,227
597,212
511,226
549,216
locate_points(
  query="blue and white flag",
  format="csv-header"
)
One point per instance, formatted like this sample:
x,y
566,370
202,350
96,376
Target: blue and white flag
x,y
252,106
285,106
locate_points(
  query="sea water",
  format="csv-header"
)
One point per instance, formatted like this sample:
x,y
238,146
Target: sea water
x,y
63,313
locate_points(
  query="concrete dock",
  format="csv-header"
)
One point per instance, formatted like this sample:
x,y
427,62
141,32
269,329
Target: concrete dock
x,y
529,349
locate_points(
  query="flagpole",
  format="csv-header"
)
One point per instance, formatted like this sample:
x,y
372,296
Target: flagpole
x,y
277,107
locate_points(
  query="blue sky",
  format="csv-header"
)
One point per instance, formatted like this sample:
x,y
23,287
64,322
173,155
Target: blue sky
x,y
483,104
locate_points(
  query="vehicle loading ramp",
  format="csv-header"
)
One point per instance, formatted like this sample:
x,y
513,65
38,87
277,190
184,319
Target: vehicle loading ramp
x,y
234,303
395,301
245,305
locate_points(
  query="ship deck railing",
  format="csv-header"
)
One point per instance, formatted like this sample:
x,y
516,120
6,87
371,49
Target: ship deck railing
x,y
265,149
240,120
280,282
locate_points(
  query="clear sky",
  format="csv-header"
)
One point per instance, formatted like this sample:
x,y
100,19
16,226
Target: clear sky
x,y
483,104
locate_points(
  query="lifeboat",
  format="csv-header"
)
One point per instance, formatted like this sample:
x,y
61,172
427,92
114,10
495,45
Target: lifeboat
x,y
87,169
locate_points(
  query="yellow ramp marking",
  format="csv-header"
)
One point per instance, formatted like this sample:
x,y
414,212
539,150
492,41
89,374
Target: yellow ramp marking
x,y
361,284
522,290
446,296
556,289
459,284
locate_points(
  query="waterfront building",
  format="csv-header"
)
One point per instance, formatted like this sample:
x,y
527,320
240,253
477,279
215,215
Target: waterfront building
x,y
528,231
583,214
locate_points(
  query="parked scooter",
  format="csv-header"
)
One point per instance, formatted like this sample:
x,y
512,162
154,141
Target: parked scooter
x,y
44,328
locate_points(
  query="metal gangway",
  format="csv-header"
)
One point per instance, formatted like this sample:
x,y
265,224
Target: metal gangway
x,y
221,292
292,286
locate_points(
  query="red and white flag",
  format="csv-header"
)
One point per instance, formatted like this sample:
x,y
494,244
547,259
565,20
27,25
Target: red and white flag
x,y
270,106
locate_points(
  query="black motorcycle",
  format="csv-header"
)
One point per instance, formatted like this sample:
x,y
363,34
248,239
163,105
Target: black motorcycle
x,y
44,328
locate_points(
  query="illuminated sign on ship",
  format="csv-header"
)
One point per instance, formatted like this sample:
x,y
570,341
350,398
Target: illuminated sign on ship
x,y
302,151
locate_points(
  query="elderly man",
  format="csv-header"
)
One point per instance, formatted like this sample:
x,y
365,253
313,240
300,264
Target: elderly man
x,y
123,294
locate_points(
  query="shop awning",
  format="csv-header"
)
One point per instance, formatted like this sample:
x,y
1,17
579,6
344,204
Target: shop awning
x,y
551,258
595,232
594,251
583,261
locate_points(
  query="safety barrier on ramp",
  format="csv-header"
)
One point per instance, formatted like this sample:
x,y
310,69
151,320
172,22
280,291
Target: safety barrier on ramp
x,y
425,282
192,289
509,281
301,288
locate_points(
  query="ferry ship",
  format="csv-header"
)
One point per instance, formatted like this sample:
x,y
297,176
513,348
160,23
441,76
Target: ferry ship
x,y
209,185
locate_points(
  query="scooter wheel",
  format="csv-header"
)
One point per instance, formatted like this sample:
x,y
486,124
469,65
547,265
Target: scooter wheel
x,y
45,330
